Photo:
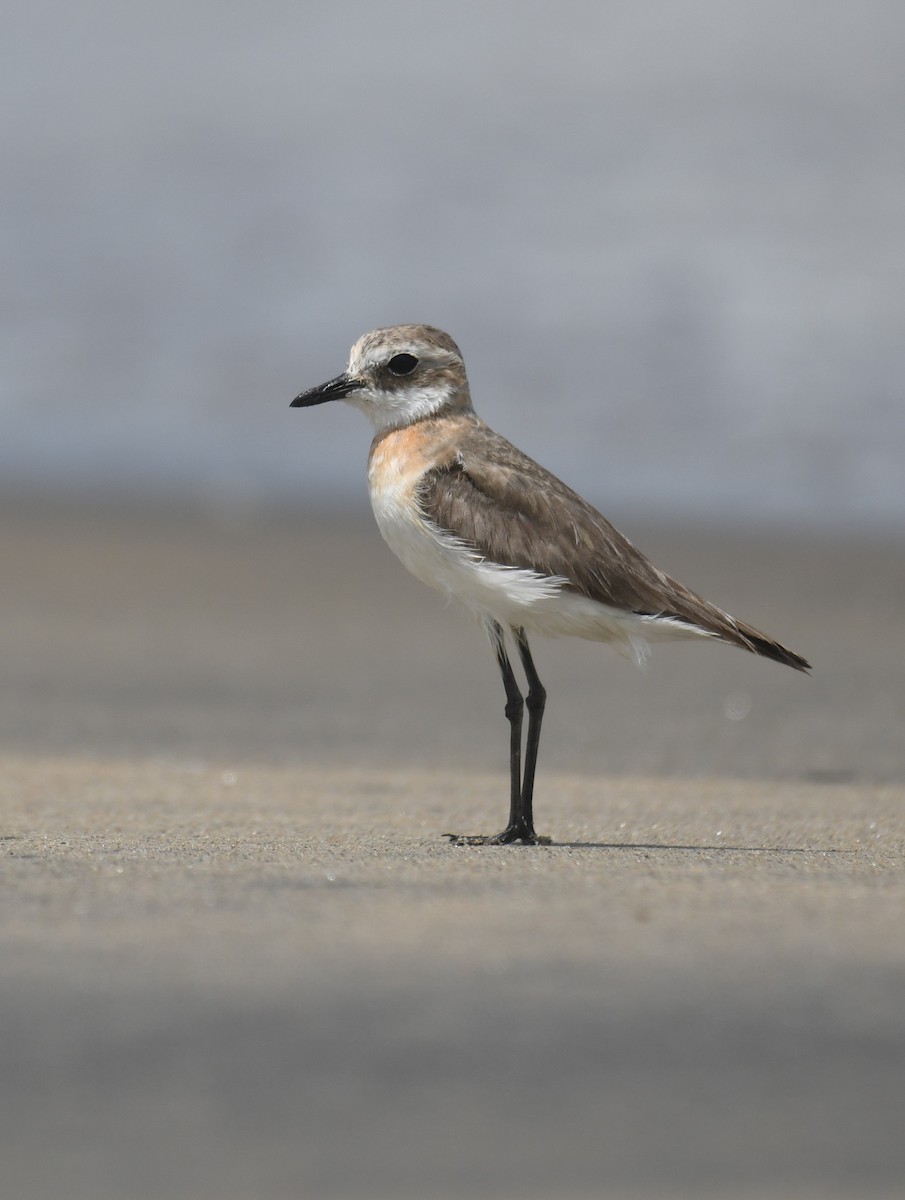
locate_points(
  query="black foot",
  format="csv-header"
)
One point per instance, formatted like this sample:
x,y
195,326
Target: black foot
x,y
514,833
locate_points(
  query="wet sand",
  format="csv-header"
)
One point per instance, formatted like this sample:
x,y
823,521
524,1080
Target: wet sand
x,y
239,959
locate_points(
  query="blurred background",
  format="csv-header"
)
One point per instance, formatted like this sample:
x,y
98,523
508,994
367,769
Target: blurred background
x,y
668,238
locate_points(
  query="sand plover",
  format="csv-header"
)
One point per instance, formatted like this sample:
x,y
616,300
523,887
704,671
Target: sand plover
x,y
469,514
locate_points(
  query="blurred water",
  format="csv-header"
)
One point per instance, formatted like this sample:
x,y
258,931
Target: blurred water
x,y
669,239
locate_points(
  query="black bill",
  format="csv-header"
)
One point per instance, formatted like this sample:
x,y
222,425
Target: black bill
x,y
334,389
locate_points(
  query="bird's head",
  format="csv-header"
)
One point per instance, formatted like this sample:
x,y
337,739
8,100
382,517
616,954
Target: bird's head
x,y
398,375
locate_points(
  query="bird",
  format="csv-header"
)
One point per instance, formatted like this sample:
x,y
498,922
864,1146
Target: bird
x,y
472,516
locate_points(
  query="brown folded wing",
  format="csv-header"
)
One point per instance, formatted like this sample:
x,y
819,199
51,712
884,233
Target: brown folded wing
x,y
513,512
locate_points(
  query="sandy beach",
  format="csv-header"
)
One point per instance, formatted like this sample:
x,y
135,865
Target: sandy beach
x,y
239,960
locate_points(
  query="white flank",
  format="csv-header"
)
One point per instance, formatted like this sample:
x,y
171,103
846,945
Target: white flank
x,y
513,596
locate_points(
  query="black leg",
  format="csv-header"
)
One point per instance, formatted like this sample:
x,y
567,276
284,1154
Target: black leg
x,y
534,701
515,706
520,827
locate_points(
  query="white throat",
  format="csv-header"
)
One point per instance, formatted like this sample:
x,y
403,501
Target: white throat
x,y
400,407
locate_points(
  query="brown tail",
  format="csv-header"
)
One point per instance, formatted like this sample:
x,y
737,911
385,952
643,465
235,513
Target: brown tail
x,y
767,648
694,609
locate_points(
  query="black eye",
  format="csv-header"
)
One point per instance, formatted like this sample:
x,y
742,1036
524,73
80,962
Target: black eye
x,y
402,364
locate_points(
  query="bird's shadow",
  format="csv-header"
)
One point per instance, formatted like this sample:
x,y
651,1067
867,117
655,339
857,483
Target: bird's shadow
x,y
723,848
